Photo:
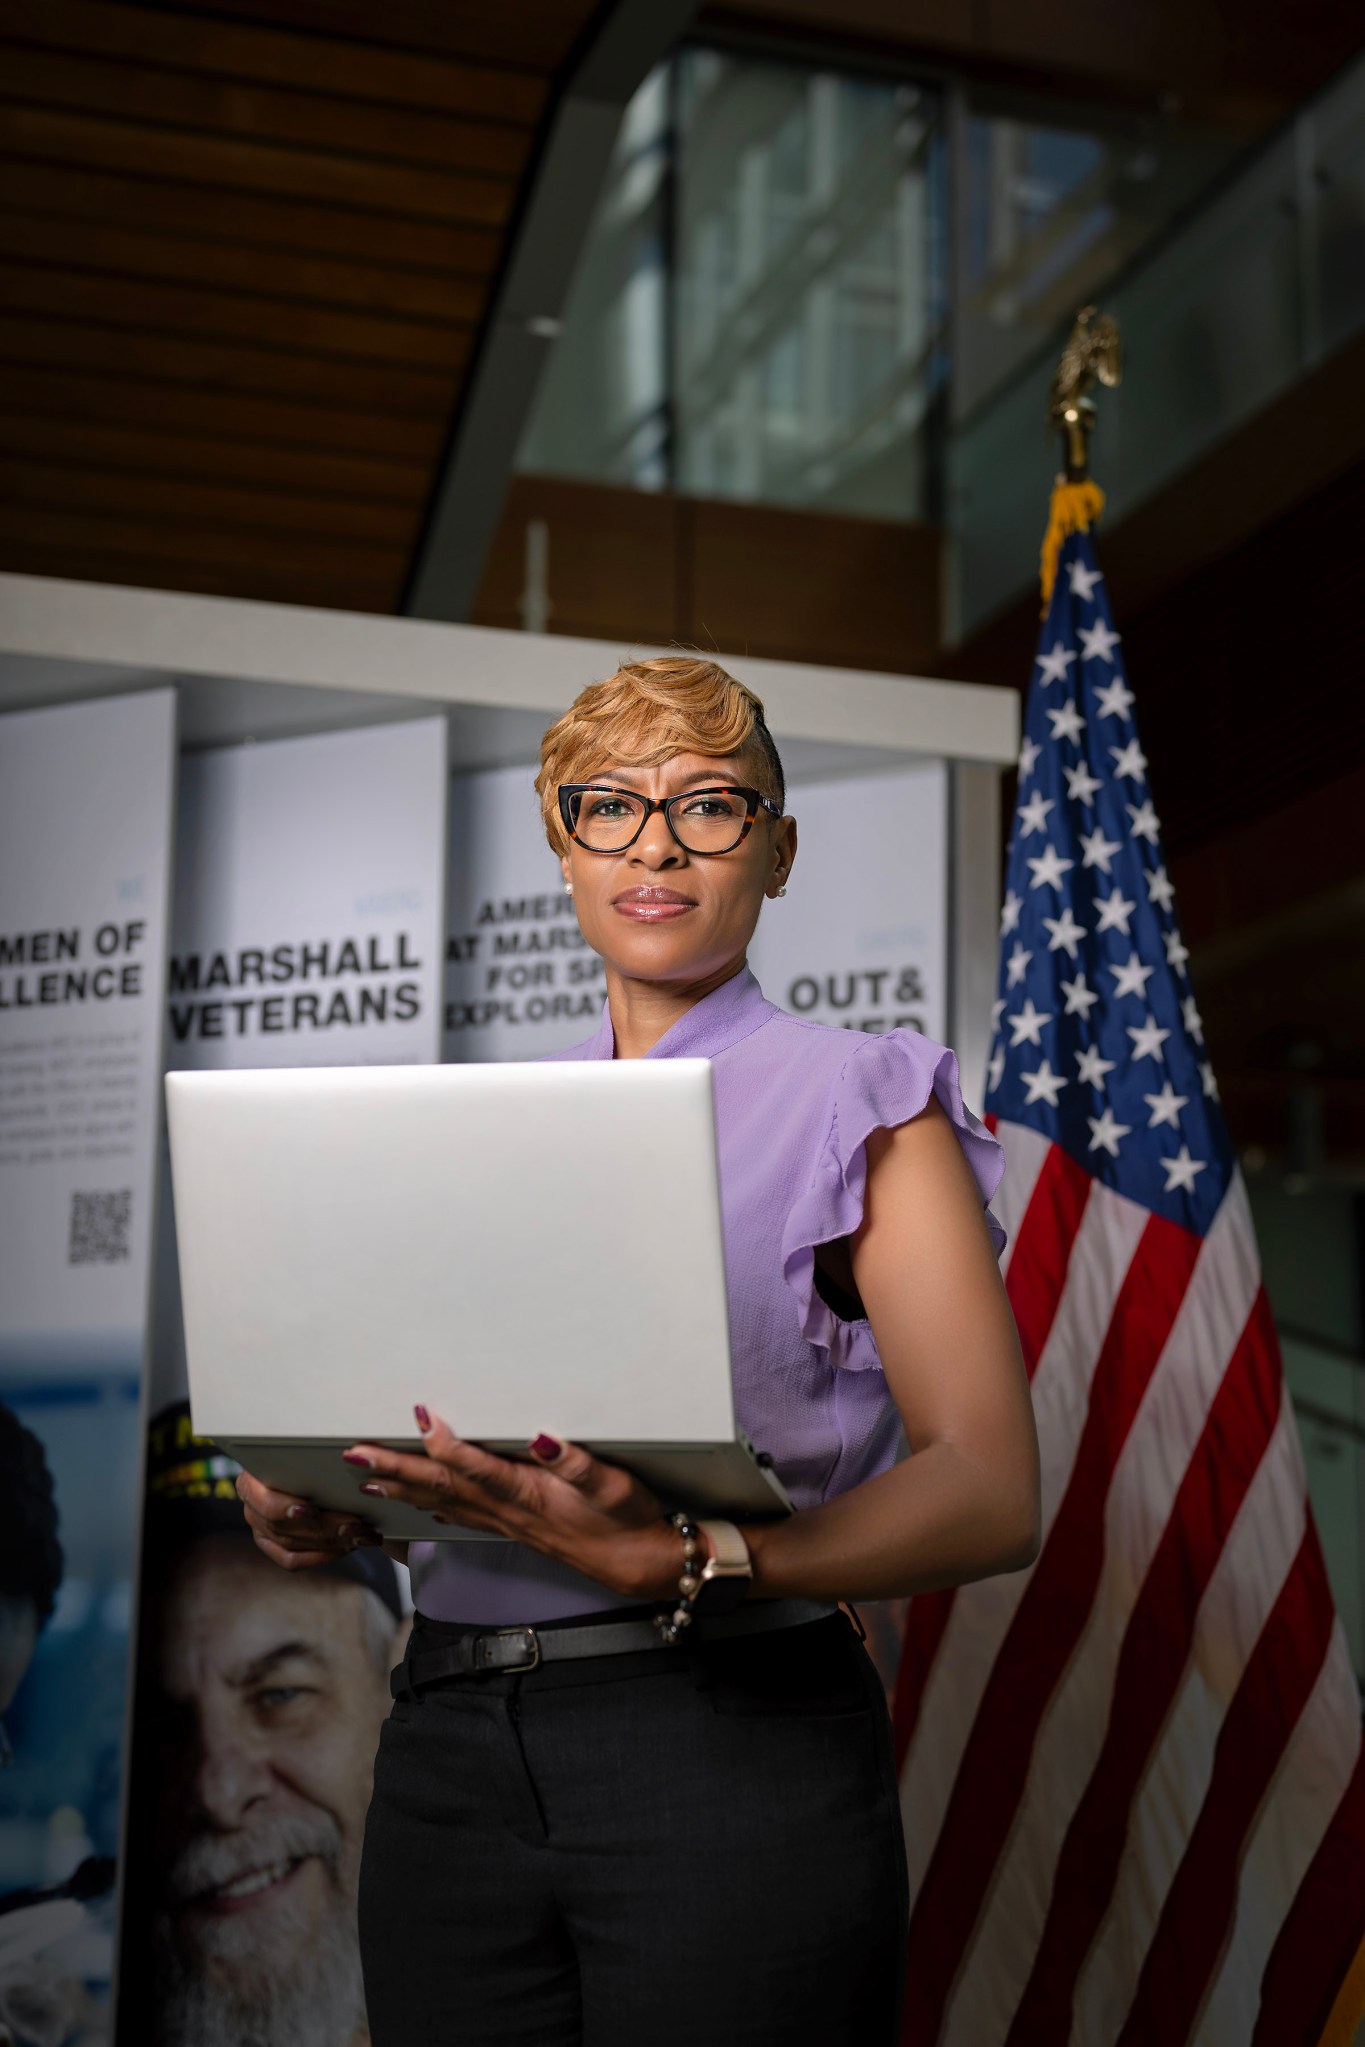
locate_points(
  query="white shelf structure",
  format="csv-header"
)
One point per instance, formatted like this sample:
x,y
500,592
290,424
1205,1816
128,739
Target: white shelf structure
x,y
249,671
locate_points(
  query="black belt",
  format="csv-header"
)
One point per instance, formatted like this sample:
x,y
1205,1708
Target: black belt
x,y
483,1652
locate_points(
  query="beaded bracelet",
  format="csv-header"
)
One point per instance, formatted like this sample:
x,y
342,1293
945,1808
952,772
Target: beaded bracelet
x,y
671,1625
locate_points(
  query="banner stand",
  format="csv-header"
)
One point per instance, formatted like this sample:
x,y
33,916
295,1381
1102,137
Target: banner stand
x,y
918,761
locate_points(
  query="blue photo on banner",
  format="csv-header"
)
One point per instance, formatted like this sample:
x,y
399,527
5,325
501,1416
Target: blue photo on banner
x,y
69,1464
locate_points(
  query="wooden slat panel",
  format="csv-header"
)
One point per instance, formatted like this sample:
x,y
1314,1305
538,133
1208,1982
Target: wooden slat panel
x,y
613,565
538,38
225,506
65,441
161,413
211,106
217,548
254,167
294,330
278,57
244,218
787,583
276,273
185,359
335,592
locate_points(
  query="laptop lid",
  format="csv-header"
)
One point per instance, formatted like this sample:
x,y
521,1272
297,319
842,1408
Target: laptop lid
x,y
521,1247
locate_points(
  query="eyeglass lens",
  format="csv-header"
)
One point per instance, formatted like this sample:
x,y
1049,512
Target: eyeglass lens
x,y
705,820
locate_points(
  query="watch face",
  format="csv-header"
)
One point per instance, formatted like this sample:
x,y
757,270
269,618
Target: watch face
x,y
721,1591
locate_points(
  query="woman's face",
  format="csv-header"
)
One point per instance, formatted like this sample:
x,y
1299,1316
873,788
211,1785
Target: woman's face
x,y
657,912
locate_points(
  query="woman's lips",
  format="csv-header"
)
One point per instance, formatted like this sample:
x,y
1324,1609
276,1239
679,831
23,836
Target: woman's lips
x,y
652,905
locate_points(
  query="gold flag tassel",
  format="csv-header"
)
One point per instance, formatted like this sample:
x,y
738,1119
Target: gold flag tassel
x,y
1349,2007
1092,351
1074,507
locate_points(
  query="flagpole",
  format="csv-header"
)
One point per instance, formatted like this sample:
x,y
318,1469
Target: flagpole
x,y
1093,351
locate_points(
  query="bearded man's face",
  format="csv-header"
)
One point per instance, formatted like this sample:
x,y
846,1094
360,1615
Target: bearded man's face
x,y
272,1700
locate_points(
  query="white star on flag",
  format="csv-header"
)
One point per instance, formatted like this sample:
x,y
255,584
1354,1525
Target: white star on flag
x,y
995,1067
1130,760
1097,851
1081,785
1067,722
1083,581
1048,868
1180,1170
1132,979
1115,699
1098,642
1115,910
1017,966
1065,932
1033,814
1165,1107
997,1008
1194,1023
1206,1075
1027,1024
1147,1038
1160,888
1080,999
1092,1067
1009,913
1176,952
1146,824
1043,1085
1105,1133
1028,758
1052,667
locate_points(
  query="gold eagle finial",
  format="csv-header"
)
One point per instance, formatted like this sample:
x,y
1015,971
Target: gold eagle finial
x,y
1093,351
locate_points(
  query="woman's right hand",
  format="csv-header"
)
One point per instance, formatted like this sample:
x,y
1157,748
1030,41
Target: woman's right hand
x,y
294,1533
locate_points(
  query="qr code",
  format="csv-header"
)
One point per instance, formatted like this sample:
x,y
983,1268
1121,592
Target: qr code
x,y
99,1227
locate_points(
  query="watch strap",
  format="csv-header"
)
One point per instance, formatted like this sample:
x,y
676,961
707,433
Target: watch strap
x,y
728,1572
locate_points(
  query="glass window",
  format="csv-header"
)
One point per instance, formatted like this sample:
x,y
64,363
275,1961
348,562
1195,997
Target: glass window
x,y
758,309
1049,214
805,311
773,303
602,410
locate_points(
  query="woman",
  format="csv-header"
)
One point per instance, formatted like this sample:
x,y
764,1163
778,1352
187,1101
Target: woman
x,y
654,1819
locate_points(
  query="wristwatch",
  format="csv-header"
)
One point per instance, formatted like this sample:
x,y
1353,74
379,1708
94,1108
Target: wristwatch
x,y
727,1574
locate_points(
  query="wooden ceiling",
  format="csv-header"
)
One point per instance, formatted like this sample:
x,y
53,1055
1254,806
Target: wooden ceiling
x,y
243,257
247,246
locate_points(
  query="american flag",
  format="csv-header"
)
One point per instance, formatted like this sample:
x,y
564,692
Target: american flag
x,y
1131,1776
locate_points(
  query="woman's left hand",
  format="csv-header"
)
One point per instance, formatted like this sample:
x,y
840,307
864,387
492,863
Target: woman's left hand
x,y
567,1503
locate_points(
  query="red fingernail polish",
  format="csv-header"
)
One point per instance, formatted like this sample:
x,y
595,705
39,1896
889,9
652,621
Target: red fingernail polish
x,y
371,1488
545,1446
358,1457
423,1419
296,1512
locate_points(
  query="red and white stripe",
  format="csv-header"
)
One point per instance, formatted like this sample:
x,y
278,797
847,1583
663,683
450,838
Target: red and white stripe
x,y
1121,1769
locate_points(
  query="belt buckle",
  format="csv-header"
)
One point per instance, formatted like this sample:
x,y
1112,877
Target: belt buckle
x,y
525,1635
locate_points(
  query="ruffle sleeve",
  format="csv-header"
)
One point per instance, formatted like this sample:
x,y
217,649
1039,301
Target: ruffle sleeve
x,y
885,1081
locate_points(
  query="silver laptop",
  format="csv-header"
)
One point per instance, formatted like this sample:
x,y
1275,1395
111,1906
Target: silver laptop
x,y
521,1247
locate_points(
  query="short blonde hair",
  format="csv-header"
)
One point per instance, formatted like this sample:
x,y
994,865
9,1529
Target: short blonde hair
x,y
648,712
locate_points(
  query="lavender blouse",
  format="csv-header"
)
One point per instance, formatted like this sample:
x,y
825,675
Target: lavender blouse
x,y
795,1103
